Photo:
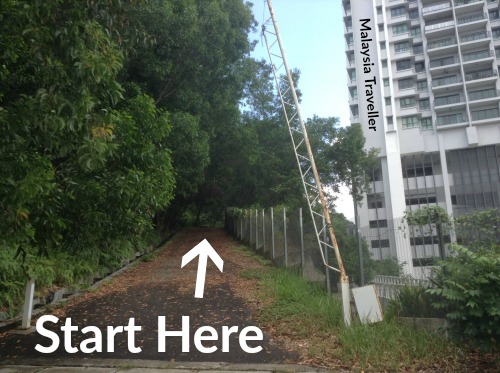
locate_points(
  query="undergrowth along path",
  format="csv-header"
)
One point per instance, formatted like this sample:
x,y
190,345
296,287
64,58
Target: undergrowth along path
x,y
158,287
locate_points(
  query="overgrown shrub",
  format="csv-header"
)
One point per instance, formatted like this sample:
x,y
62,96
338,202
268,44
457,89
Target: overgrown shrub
x,y
468,290
414,301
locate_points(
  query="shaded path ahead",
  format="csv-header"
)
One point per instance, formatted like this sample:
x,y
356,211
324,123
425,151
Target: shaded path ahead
x,y
149,290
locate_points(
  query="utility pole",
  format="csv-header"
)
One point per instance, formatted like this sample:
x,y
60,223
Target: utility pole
x,y
303,153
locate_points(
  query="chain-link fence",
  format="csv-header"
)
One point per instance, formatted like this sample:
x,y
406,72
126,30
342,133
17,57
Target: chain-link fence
x,y
287,238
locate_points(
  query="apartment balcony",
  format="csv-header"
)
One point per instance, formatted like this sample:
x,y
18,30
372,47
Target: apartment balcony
x,y
451,119
441,65
479,55
480,75
468,5
396,2
350,59
445,83
484,95
441,44
475,36
439,26
449,101
436,8
485,116
472,21
436,11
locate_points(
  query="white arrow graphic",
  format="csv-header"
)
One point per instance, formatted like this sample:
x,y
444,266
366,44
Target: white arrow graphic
x,y
204,250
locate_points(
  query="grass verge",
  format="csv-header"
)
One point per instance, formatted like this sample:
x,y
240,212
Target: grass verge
x,y
310,322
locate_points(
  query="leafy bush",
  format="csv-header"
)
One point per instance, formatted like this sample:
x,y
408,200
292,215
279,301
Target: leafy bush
x,y
468,290
414,301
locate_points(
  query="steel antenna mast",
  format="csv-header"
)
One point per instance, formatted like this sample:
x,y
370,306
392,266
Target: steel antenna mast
x,y
303,153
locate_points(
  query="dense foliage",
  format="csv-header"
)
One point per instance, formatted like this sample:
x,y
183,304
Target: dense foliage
x,y
122,119
466,283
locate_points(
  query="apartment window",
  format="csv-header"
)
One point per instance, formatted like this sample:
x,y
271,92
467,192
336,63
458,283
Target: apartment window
x,y
403,65
386,82
420,200
384,63
496,33
424,104
350,40
413,14
387,101
390,120
420,66
354,92
421,85
417,170
401,47
348,23
352,75
415,31
405,83
418,49
407,102
398,12
482,94
379,243
447,100
375,175
402,28
355,111
375,201
381,27
426,124
409,122
382,45
379,10
450,119
484,114
493,13
378,223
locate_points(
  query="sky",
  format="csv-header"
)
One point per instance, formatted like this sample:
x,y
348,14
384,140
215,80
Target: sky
x,y
312,34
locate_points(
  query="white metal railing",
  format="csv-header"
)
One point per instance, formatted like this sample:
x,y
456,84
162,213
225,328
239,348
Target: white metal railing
x,y
471,18
436,7
439,25
466,2
446,120
387,286
441,43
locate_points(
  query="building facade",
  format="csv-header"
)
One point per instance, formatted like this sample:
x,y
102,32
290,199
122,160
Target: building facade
x,y
423,81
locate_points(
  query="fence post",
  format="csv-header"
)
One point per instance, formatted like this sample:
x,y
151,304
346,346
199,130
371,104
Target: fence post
x,y
326,257
284,234
301,225
272,232
28,304
256,229
263,231
250,224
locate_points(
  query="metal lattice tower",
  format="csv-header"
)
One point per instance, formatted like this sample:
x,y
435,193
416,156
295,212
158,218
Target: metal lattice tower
x,y
303,152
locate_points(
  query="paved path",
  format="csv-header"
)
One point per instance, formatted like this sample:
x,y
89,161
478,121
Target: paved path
x,y
144,292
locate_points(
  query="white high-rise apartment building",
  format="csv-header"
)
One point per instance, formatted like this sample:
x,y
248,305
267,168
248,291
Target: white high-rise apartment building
x,y
424,84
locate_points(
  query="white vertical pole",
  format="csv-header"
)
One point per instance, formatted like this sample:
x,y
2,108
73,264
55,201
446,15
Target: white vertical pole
x,y
302,256
325,248
264,231
28,304
284,229
272,231
256,229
